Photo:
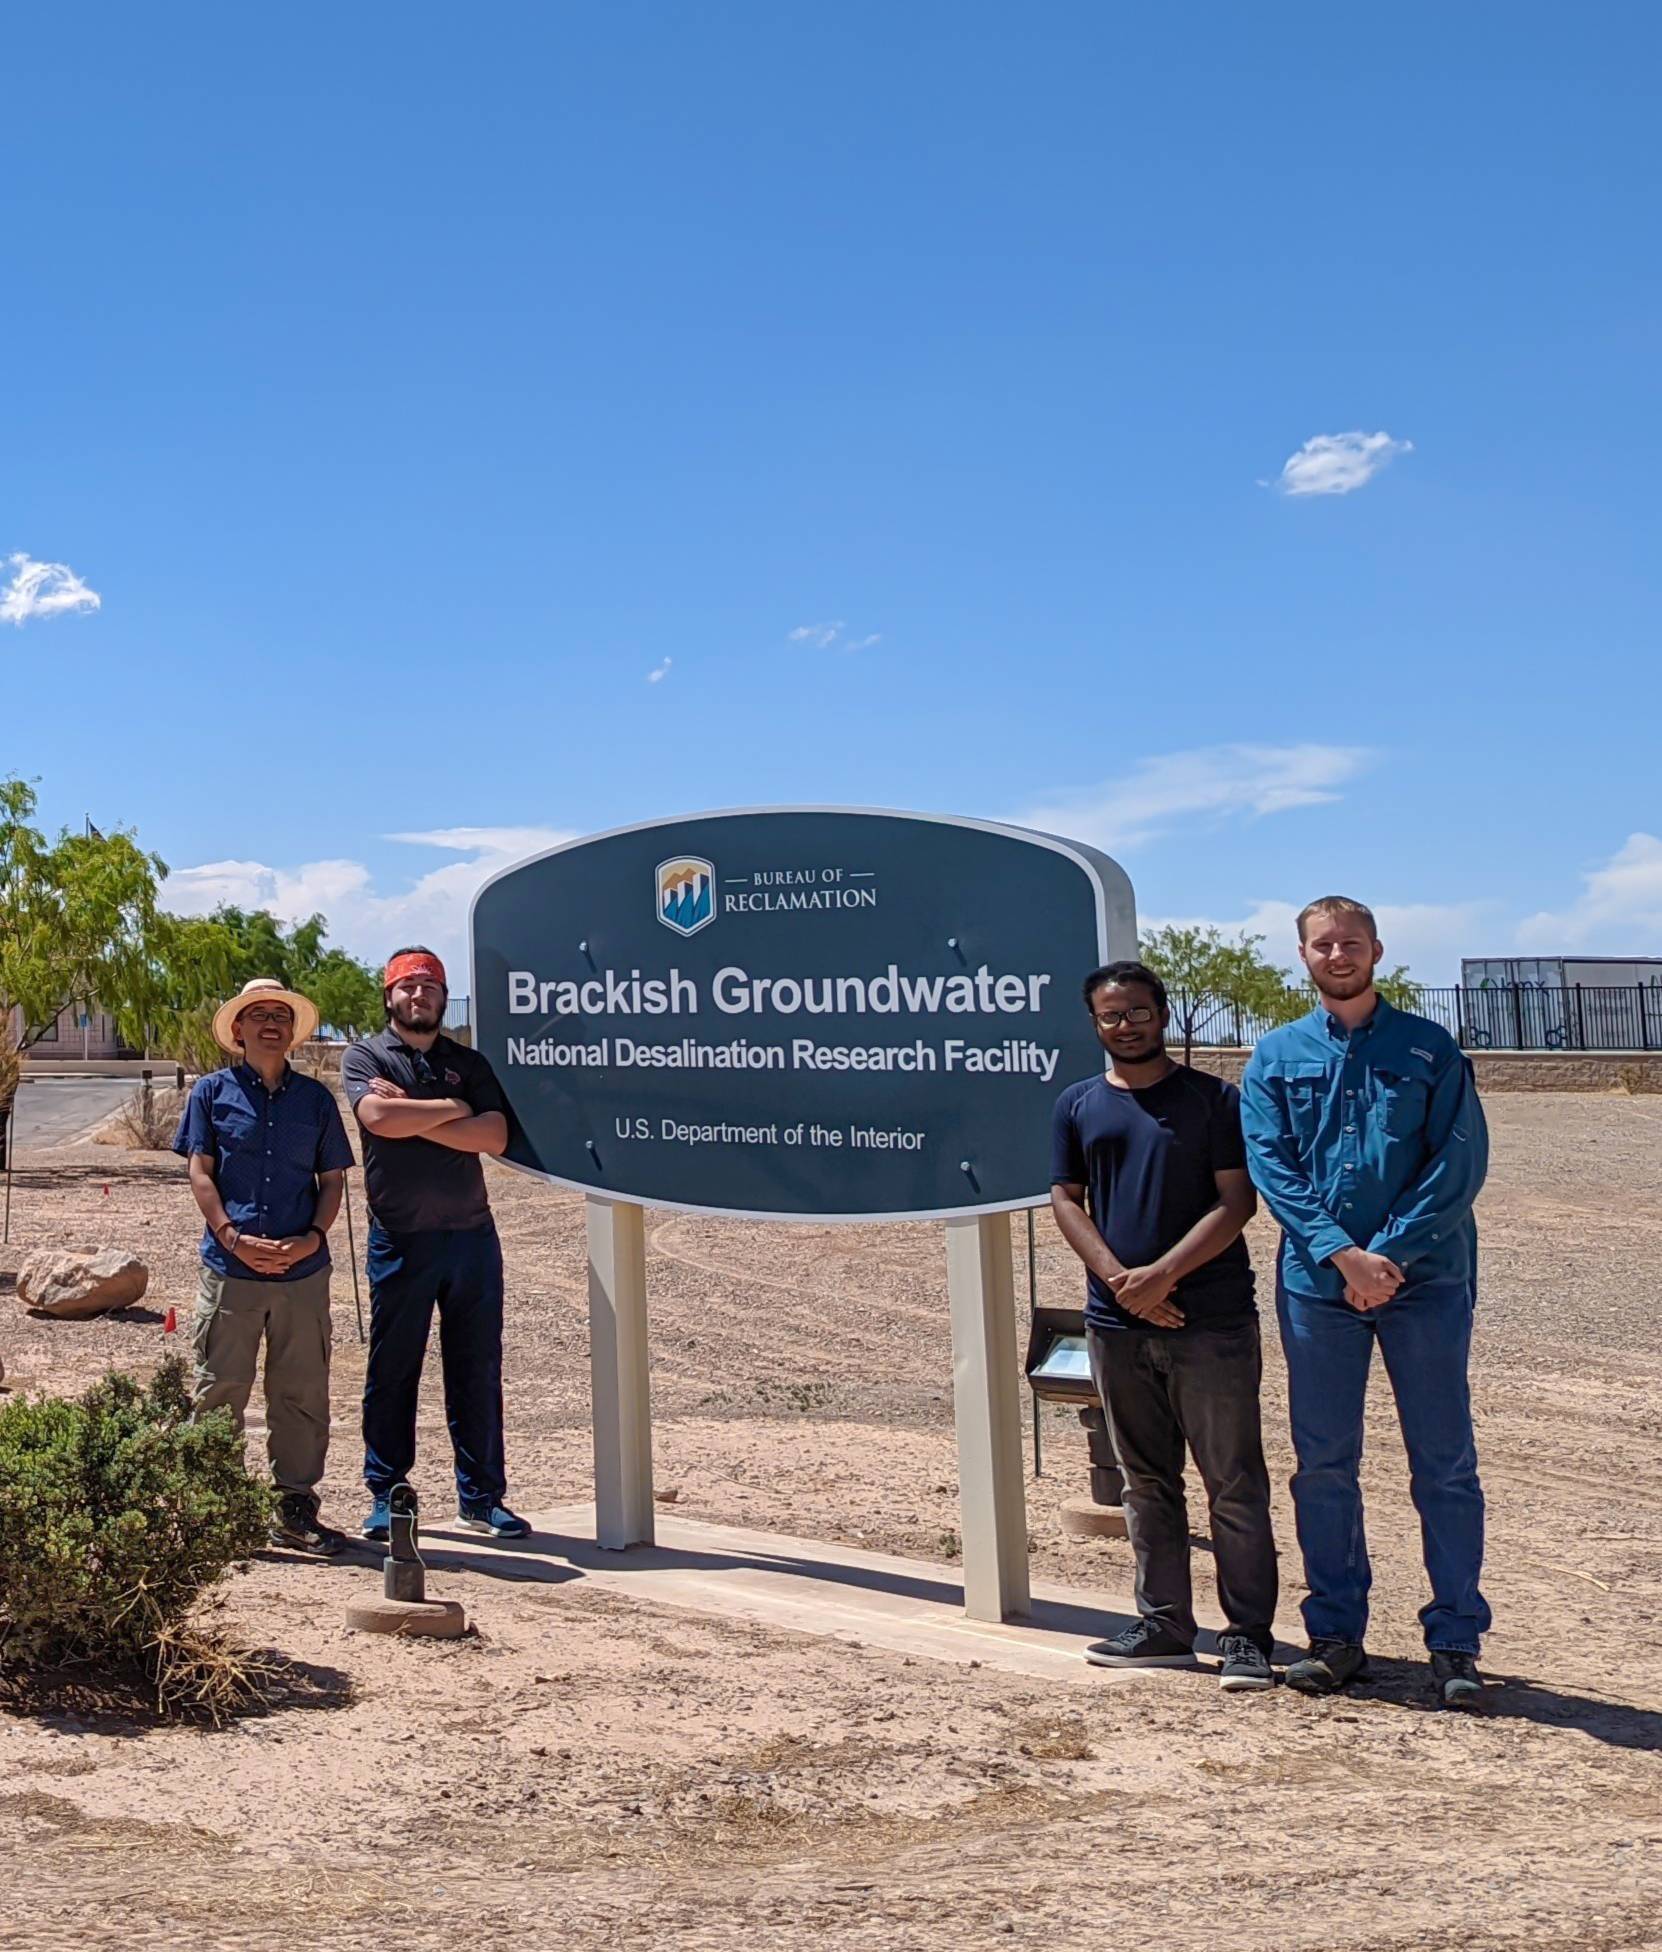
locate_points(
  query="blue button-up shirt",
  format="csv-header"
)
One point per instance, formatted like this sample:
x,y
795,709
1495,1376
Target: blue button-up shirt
x,y
1368,1138
268,1148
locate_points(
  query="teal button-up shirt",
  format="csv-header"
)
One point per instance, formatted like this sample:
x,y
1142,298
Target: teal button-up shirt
x,y
1369,1138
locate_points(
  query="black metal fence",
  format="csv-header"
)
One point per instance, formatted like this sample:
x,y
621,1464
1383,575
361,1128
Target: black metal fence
x,y
1494,1017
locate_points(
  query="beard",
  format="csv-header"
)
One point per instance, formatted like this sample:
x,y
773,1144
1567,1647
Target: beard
x,y
1151,1048
1343,988
418,1016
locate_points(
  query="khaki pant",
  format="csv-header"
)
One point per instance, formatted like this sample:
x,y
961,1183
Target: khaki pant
x,y
292,1319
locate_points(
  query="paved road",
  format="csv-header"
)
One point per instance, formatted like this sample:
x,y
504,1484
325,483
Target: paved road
x,y
54,1111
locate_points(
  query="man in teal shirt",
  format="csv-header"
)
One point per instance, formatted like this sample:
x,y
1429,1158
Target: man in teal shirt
x,y
1365,1137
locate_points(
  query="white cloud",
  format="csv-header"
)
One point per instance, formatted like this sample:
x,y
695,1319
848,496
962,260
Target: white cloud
x,y
823,637
43,590
1618,912
820,636
1209,782
363,918
659,672
1335,464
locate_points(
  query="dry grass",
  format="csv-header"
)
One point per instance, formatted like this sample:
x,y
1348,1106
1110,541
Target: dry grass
x,y
1058,1738
191,1674
147,1121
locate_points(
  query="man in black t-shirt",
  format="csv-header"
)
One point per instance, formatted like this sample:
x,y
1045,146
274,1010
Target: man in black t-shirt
x,y
428,1107
1170,1322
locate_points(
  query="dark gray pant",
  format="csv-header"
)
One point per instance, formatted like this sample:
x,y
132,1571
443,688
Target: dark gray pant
x,y
1161,1388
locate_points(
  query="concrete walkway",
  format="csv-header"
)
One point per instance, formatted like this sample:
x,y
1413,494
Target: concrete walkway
x,y
909,1606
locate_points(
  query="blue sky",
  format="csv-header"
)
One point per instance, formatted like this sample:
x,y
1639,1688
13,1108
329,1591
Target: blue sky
x,y
483,427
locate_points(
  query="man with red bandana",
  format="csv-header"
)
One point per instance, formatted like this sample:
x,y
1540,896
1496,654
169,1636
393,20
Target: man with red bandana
x,y
428,1108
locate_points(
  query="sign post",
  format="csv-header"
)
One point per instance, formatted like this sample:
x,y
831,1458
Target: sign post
x,y
803,1013
618,1374
986,1403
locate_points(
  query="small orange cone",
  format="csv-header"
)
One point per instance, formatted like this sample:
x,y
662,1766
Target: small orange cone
x,y
171,1325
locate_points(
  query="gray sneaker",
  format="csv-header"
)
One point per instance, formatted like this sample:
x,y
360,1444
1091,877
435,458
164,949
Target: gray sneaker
x,y
1329,1666
1142,1645
1246,1665
1459,1685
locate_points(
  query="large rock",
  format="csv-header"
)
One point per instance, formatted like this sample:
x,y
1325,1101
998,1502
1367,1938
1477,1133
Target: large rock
x,y
74,1286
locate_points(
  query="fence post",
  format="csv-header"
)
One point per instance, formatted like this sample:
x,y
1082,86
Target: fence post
x,y
1644,1021
1517,1014
1580,1024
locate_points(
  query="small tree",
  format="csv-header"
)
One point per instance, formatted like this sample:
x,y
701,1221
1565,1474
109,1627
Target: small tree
x,y
202,959
117,1513
1399,988
77,922
1206,976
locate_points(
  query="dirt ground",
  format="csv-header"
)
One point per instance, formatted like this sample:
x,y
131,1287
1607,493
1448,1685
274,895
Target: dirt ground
x,y
594,1771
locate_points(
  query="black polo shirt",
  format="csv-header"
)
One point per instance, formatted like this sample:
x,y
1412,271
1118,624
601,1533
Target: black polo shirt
x,y
414,1185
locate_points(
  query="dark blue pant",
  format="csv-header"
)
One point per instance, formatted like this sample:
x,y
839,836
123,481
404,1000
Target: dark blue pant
x,y
1424,1334
461,1271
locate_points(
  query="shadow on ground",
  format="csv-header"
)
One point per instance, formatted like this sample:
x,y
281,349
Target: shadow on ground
x,y
85,1698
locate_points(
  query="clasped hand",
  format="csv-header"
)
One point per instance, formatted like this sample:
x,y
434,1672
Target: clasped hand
x,y
1370,1279
267,1256
1145,1292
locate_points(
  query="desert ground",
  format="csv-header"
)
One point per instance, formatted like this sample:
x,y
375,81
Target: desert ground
x,y
589,1769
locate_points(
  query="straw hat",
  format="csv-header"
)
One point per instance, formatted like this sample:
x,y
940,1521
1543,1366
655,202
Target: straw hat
x,y
264,989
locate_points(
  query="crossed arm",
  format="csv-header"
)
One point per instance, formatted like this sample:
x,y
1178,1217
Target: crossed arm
x,y
388,1111
1146,1291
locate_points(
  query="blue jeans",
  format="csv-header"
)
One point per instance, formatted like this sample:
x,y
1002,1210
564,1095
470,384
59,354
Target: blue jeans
x,y
461,1272
1424,1334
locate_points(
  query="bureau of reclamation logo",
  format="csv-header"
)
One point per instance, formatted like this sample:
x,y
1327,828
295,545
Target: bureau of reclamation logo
x,y
686,894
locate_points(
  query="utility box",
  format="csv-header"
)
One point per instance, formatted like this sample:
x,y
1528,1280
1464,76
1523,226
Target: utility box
x,y
1561,1003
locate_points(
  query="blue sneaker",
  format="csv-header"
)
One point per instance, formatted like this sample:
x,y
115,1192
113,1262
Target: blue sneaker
x,y
493,1518
377,1527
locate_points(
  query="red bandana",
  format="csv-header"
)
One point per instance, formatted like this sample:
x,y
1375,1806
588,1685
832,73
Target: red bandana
x,y
415,962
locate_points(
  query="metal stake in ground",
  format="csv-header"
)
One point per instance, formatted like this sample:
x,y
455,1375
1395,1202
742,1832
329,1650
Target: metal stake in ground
x,y
404,1607
352,1253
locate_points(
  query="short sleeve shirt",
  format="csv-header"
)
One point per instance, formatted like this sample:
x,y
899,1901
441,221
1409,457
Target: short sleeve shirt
x,y
1148,1159
268,1148
415,1185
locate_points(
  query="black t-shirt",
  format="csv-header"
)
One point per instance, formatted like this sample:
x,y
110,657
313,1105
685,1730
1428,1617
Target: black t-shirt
x,y
414,1185
1147,1159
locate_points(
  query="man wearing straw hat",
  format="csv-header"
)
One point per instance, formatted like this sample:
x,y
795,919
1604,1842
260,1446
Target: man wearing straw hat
x,y
268,1161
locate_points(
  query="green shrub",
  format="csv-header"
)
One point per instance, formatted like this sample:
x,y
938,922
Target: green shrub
x,y
116,1514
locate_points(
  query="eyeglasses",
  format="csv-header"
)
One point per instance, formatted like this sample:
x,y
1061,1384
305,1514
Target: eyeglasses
x,y
282,1016
1112,1019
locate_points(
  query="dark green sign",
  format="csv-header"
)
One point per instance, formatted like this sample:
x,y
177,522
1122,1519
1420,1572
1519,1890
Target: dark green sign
x,y
821,1013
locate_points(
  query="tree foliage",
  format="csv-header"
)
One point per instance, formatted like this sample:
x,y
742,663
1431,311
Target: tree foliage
x,y
1212,983
203,959
1399,988
79,923
117,1512
77,920
1233,987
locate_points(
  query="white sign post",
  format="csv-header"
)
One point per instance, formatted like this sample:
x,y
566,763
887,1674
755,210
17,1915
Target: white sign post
x,y
618,1374
986,1400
